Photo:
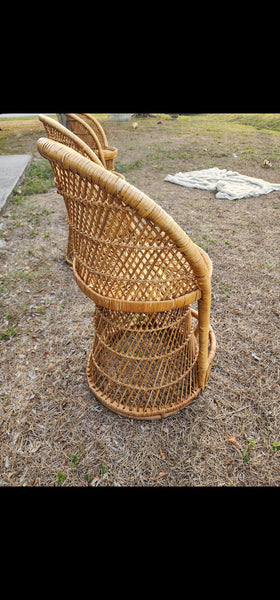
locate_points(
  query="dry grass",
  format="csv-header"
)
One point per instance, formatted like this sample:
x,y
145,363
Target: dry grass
x,y
52,429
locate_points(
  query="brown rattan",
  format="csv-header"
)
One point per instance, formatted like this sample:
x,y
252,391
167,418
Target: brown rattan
x,y
57,131
88,133
152,352
97,128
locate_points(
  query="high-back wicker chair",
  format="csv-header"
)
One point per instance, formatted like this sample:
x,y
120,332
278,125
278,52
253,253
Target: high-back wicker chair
x,y
152,352
57,131
97,128
86,132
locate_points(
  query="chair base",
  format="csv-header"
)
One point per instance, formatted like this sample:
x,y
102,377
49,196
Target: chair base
x,y
145,366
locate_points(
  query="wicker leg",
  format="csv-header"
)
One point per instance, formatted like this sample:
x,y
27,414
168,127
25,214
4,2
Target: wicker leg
x,y
144,366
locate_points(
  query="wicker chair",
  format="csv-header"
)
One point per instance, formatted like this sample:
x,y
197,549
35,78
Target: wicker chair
x,y
152,352
86,132
56,131
97,128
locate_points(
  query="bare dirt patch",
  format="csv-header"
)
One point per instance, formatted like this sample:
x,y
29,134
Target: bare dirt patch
x,y
53,431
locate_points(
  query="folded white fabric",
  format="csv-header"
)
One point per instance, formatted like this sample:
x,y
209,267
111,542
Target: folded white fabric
x,y
228,184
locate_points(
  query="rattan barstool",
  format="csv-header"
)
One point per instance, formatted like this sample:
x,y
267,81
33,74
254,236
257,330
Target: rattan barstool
x,y
152,351
56,131
80,126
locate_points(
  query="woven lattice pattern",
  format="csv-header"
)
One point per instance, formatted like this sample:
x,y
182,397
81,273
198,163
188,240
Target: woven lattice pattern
x,y
97,128
144,364
151,353
109,152
56,131
118,254
83,130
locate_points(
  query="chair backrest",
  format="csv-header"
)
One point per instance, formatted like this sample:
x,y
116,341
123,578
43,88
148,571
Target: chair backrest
x,y
130,255
56,131
97,128
86,133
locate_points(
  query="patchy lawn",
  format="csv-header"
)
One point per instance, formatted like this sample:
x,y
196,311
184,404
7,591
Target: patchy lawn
x,y
53,431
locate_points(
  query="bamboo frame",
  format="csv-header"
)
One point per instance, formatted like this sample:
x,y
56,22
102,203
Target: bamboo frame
x,y
152,352
56,131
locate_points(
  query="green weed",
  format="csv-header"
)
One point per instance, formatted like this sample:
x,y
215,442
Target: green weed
x,y
103,470
136,164
8,333
246,453
87,478
74,459
60,477
38,180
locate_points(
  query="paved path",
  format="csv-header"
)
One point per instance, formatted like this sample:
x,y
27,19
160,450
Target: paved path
x,y
12,169
16,115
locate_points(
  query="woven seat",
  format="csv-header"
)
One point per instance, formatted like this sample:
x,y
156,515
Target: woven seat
x,y
57,131
152,351
96,141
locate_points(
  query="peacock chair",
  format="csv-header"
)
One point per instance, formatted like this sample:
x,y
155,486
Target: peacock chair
x,y
152,351
57,131
86,132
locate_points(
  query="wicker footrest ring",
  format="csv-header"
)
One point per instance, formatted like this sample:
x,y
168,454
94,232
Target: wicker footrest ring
x,y
144,366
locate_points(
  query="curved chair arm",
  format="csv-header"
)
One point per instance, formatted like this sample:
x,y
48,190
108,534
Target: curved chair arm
x,y
56,131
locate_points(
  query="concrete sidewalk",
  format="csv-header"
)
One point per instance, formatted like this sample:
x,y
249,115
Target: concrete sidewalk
x,y
12,169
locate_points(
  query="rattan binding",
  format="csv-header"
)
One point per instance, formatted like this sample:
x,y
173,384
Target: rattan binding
x,y
152,352
56,131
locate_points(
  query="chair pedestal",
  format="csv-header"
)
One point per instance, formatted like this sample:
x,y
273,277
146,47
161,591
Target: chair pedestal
x,y
144,366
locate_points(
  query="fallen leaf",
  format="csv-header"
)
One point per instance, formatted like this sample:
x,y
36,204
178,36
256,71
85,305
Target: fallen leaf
x,y
161,474
53,365
267,163
31,482
94,481
233,440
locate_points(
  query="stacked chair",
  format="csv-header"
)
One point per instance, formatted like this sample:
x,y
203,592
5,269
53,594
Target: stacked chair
x,y
57,131
90,130
152,351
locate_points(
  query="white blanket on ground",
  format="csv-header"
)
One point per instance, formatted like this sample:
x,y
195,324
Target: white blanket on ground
x,y
228,184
